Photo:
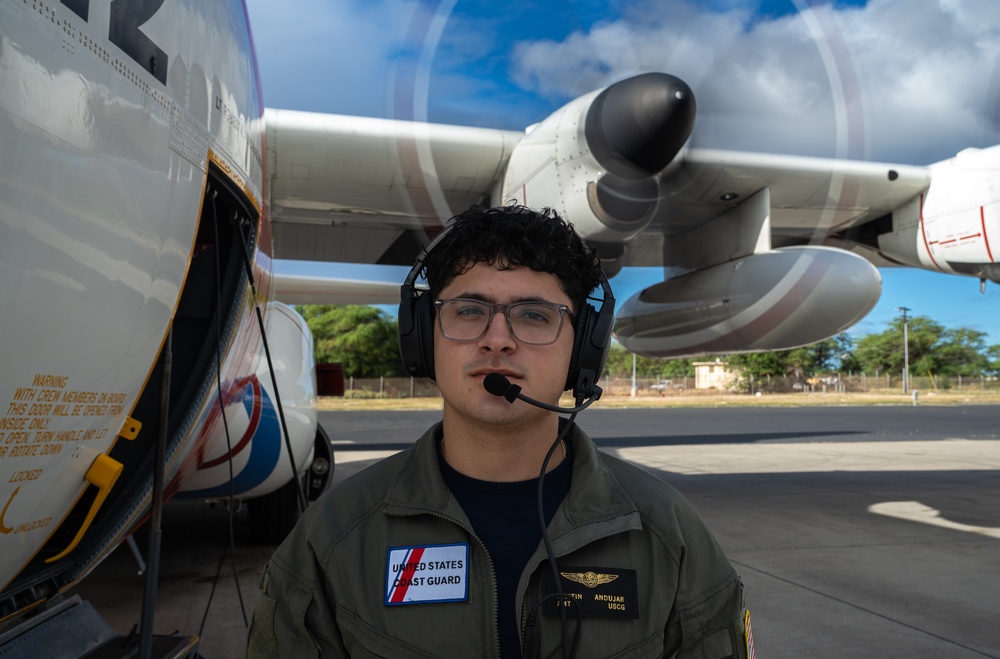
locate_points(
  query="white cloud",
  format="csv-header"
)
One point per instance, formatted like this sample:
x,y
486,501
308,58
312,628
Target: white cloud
x,y
887,81
329,56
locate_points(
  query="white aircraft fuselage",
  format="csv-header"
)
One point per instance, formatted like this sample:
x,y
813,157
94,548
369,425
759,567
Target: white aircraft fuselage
x,y
131,135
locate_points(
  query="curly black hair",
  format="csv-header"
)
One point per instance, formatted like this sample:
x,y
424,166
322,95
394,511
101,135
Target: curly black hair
x,y
510,236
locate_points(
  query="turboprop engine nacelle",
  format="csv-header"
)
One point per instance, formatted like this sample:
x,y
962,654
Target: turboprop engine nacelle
x,y
595,160
775,300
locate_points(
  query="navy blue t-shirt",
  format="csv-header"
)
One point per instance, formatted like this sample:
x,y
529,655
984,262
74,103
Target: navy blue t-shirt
x,y
505,517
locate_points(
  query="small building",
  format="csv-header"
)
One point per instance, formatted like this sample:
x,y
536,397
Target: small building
x,y
714,375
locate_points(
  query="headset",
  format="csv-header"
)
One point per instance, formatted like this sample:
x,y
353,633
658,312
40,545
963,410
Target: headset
x,y
592,332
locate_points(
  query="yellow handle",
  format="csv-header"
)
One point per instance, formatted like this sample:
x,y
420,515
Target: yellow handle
x,y
103,473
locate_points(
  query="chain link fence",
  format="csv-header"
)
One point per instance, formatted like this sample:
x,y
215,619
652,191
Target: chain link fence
x,y
685,386
390,388
834,382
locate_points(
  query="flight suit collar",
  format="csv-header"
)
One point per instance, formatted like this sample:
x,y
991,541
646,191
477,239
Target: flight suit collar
x,y
595,506
419,487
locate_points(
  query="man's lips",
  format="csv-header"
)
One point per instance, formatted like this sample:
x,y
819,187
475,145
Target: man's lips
x,y
483,372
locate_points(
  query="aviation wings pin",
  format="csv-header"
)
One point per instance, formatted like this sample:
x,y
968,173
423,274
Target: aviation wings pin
x,y
589,579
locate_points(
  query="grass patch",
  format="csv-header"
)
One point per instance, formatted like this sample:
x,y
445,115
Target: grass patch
x,y
330,403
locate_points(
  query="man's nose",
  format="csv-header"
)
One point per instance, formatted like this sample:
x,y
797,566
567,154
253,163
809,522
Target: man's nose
x,y
498,333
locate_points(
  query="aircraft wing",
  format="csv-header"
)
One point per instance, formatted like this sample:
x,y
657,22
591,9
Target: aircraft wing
x,y
812,201
362,190
336,283
759,251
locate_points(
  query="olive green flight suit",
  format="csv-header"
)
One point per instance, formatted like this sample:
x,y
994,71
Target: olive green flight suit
x,y
324,592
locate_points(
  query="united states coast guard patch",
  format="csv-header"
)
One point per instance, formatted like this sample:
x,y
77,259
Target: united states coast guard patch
x,y
423,574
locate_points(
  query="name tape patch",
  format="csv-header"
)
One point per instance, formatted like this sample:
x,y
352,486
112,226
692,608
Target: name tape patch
x,y
599,591
423,574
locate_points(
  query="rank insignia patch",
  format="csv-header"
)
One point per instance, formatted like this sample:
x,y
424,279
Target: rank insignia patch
x,y
601,592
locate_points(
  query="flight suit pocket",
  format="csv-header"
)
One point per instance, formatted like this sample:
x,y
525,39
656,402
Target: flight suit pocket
x,y
363,641
651,648
280,623
711,628
261,639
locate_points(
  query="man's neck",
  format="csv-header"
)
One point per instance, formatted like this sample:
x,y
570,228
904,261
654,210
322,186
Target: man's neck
x,y
500,453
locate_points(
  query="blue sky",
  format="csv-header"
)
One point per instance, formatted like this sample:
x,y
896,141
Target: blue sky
x,y
775,76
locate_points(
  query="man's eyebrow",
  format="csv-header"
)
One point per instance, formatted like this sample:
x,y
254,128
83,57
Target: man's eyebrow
x,y
492,300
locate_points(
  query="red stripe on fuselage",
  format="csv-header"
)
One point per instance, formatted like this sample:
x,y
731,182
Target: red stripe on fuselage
x,y
255,413
923,234
986,239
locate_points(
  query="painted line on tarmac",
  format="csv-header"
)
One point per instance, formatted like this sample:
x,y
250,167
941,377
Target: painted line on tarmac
x,y
790,458
359,456
914,511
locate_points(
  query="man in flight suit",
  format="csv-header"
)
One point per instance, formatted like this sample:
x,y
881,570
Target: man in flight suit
x,y
439,550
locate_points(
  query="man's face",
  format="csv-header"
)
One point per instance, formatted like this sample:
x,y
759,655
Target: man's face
x,y
540,370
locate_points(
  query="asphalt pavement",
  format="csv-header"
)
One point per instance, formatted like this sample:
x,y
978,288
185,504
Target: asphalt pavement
x,y
858,531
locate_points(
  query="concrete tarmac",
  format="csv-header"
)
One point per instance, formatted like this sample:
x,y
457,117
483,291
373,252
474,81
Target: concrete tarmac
x,y
859,532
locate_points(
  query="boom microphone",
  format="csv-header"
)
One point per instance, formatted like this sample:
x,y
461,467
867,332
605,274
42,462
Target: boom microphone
x,y
498,385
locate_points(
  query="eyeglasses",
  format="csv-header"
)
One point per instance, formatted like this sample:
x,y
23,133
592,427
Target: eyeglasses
x,y
535,323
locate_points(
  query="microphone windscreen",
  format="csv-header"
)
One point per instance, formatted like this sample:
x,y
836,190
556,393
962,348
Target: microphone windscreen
x,y
496,384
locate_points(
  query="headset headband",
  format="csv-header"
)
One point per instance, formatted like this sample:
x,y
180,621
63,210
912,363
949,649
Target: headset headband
x,y
590,347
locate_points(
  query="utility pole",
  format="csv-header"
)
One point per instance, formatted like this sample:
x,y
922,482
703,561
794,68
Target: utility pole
x,y
634,391
906,351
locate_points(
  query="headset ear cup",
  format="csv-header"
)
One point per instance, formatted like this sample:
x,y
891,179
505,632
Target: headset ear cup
x,y
406,322
581,333
425,334
416,320
416,335
590,347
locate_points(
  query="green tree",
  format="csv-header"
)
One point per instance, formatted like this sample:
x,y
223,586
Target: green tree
x,y
619,365
756,367
362,338
835,353
884,352
963,352
932,350
993,360
678,367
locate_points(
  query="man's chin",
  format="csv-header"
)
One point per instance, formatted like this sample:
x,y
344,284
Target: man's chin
x,y
496,411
